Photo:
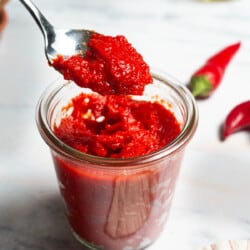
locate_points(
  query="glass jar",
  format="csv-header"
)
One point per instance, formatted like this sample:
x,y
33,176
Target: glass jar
x,y
118,204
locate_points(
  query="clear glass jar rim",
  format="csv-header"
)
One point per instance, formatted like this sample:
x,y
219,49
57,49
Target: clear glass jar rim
x,y
62,148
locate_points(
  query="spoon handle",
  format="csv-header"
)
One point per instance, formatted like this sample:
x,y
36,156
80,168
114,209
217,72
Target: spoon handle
x,y
44,25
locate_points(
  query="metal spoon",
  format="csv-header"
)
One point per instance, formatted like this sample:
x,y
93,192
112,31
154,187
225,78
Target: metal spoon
x,y
65,42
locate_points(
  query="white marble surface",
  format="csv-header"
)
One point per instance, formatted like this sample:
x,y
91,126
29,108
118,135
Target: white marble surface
x,y
212,197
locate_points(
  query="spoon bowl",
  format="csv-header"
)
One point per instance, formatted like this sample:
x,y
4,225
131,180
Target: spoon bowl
x,y
65,42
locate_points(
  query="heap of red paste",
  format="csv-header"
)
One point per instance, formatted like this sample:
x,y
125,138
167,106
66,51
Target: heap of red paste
x,y
113,124
111,66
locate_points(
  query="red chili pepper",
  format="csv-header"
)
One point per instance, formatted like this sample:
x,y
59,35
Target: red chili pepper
x,y
237,119
207,78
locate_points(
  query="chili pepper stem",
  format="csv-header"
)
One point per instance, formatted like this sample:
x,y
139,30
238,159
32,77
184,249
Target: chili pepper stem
x,y
200,86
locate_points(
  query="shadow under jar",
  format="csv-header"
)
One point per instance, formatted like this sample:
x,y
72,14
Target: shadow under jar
x,y
118,204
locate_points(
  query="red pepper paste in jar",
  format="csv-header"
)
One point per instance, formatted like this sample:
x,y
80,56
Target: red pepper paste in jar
x,y
117,126
116,210
111,66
